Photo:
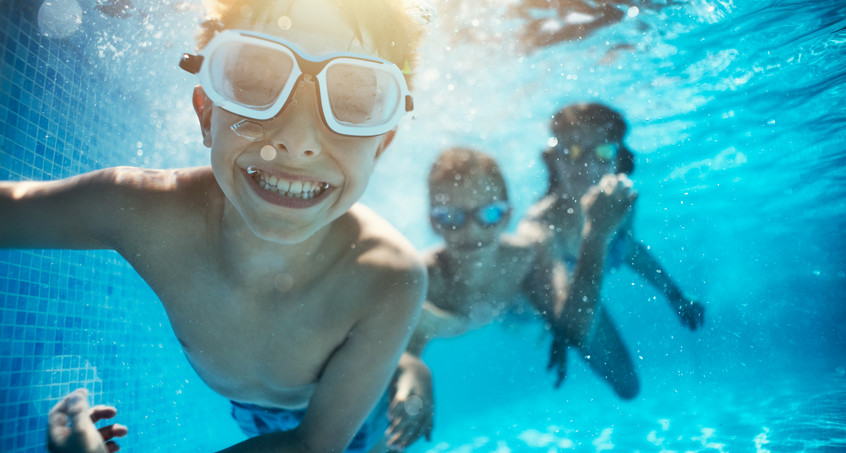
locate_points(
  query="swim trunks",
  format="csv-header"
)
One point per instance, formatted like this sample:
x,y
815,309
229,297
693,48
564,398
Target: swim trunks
x,y
256,420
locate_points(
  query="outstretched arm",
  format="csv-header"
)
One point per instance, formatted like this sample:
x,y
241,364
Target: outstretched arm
x,y
690,312
103,209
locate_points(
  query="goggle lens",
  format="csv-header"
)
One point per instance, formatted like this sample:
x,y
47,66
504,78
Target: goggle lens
x,y
250,75
486,216
605,152
446,217
361,95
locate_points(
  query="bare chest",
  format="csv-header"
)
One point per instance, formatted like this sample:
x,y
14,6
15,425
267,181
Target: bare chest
x,y
480,293
263,341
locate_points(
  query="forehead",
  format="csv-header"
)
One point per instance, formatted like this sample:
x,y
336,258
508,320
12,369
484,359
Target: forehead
x,y
586,133
316,26
473,189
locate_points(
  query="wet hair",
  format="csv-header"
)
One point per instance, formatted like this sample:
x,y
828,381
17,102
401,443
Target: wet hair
x,y
457,163
393,25
591,115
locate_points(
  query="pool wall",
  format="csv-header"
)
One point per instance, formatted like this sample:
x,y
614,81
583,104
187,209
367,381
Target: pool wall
x,y
74,319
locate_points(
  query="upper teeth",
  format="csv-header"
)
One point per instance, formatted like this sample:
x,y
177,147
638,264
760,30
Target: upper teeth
x,y
295,188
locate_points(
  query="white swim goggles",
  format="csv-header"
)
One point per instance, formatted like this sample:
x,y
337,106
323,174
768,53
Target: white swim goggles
x,y
253,75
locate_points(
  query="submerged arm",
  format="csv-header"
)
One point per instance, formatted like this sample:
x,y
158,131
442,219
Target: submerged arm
x,y
690,312
575,305
73,213
98,210
435,322
411,412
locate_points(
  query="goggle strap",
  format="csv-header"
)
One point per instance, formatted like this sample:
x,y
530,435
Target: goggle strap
x,y
191,63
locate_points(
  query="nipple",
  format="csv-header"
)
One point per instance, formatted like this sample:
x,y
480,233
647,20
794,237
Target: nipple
x,y
249,130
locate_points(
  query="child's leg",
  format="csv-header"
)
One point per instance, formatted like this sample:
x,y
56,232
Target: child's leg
x,y
606,354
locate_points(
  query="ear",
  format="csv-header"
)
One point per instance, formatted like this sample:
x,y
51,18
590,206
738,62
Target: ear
x,y
435,227
386,140
203,107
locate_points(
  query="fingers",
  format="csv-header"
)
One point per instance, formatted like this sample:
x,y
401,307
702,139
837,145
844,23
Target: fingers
x,y
57,419
102,412
407,423
77,410
403,435
112,431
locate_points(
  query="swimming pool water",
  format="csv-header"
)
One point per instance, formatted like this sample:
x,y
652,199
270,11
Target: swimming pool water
x,y
736,117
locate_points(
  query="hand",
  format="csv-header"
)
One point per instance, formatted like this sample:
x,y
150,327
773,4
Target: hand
x,y
691,313
81,436
607,204
558,358
412,408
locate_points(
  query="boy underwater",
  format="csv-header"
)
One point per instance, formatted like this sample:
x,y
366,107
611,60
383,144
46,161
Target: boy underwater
x,y
288,298
480,274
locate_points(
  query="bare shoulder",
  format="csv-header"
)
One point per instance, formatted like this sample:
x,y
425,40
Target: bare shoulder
x,y
105,208
386,258
180,182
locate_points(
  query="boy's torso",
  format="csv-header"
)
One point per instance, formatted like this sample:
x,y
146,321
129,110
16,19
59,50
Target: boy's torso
x,y
479,290
250,330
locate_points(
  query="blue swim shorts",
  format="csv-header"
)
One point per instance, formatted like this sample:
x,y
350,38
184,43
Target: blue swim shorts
x,y
256,420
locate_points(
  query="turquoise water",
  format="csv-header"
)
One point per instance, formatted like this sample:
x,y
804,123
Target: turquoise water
x,y
737,119
736,115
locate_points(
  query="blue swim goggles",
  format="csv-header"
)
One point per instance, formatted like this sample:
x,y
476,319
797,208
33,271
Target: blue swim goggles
x,y
253,75
486,216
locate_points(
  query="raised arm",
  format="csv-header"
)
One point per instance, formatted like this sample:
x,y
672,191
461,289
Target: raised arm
x,y
573,301
357,374
570,305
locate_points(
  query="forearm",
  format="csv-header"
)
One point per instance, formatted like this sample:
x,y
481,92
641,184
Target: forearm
x,y
434,322
586,284
576,309
54,214
642,262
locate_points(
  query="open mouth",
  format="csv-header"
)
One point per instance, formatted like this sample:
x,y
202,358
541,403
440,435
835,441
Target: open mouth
x,y
288,192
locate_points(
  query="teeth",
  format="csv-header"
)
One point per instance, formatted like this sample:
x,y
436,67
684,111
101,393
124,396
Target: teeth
x,y
293,189
283,185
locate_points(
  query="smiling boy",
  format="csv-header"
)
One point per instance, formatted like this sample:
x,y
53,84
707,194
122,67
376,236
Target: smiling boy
x,y
288,297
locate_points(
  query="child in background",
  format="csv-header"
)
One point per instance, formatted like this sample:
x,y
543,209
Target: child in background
x,y
288,298
589,153
480,274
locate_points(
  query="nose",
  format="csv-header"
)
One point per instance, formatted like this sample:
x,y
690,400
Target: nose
x,y
294,132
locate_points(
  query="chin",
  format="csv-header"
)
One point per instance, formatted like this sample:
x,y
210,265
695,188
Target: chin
x,y
284,235
472,246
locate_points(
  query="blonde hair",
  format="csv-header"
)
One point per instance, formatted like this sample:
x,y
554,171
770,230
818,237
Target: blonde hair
x,y
390,23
